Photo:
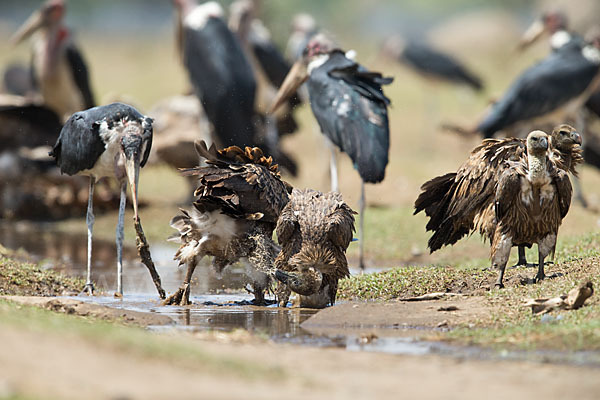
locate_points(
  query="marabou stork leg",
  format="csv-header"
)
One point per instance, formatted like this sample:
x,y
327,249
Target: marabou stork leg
x,y
89,286
120,235
361,226
333,167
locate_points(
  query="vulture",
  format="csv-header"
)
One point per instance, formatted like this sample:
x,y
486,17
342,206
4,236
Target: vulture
x,y
239,198
314,230
460,203
530,201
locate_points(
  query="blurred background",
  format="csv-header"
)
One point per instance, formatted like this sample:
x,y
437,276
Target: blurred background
x,y
131,54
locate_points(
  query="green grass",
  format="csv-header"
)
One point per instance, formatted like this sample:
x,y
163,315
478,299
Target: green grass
x,y
25,279
130,340
510,324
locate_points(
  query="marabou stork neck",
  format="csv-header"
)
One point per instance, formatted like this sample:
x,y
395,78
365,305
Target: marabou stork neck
x,y
553,23
58,68
350,107
107,141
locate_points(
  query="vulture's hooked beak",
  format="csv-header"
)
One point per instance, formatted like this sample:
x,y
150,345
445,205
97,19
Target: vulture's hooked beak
x,y
576,137
297,76
304,283
33,23
532,34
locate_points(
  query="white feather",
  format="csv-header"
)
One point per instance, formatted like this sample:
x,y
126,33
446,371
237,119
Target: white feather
x,y
200,15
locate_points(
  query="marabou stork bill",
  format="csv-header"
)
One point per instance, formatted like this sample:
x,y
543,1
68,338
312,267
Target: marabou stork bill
x,y
553,23
58,69
107,141
350,107
218,69
429,62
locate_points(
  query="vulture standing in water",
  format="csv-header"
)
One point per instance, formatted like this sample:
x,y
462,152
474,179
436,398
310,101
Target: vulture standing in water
x,y
530,202
348,102
460,203
314,230
239,198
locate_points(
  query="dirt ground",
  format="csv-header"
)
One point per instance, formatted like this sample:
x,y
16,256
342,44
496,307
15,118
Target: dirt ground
x,y
45,364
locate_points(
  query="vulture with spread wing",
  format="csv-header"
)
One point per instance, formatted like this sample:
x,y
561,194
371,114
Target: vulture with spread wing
x,y
314,230
460,203
238,200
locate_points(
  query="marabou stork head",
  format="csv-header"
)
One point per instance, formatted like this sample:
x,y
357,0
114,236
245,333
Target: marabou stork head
x,y
48,16
319,47
549,23
135,144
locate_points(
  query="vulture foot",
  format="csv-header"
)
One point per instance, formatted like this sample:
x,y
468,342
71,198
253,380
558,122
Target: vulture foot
x,y
180,298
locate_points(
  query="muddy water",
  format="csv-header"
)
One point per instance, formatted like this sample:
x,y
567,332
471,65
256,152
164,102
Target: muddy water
x,y
217,299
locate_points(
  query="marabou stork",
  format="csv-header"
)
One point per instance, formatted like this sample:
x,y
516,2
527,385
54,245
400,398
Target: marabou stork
x,y
429,62
106,141
58,69
219,71
270,69
554,88
350,107
304,28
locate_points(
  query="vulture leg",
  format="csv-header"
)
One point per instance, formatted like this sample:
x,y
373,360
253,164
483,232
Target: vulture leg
x,y
522,258
545,247
89,286
120,235
361,227
182,296
501,246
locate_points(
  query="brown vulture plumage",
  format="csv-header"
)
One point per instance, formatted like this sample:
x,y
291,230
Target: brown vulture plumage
x,y
238,200
530,202
460,203
314,230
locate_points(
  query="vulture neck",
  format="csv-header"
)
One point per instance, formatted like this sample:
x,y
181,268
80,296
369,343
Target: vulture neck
x,y
537,168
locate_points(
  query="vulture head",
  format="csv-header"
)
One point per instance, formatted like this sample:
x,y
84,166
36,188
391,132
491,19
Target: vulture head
x,y
564,137
537,143
304,282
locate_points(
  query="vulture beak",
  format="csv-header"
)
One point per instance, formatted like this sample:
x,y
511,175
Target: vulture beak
x,y
533,33
33,23
296,77
132,147
304,283
576,137
544,143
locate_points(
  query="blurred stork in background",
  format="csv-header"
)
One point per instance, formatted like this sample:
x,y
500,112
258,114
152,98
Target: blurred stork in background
x,y
219,71
58,69
270,69
430,63
350,107
304,27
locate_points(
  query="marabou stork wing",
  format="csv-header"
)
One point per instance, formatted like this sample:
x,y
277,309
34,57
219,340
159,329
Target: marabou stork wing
x,y
543,88
82,144
352,111
593,103
239,183
432,62
80,75
27,125
223,80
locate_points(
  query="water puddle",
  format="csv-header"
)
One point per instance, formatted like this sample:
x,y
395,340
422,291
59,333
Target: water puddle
x,y
215,298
